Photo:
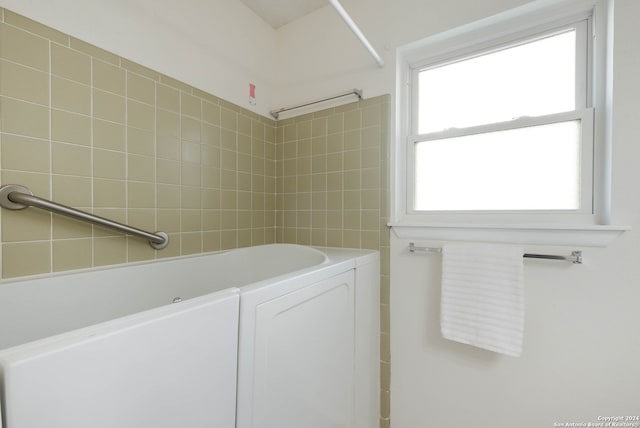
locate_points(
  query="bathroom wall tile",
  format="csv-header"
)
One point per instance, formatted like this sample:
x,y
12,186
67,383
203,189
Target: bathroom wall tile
x,y
71,96
244,125
211,113
140,115
175,83
167,98
167,123
167,171
109,106
109,135
109,193
70,128
190,129
141,168
168,220
27,225
168,147
141,195
70,159
190,197
73,191
24,48
24,154
139,69
109,164
23,118
25,258
70,64
108,77
228,119
93,51
168,196
141,88
35,27
109,251
139,142
72,254
191,106
68,228
191,243
24,83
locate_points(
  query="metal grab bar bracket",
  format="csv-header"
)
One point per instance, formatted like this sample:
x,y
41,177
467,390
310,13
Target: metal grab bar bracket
x,y
16,197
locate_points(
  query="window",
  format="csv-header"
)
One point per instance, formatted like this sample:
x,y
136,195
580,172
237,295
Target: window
x,y
504,122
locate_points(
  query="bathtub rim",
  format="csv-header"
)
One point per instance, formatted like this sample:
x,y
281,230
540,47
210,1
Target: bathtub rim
x,y
13,280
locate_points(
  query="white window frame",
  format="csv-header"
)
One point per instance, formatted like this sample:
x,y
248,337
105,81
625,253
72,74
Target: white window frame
x,y
593,109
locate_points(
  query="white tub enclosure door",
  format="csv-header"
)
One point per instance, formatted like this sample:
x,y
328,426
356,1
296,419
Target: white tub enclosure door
x,y
163,368
297,369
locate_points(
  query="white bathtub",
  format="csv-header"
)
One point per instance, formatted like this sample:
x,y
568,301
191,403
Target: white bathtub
x,y
270,336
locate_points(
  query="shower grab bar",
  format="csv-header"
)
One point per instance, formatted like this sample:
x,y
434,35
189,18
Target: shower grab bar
x,y
575,257
16,197
276,113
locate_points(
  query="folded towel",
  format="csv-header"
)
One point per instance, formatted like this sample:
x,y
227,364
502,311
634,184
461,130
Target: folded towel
x,y
483,296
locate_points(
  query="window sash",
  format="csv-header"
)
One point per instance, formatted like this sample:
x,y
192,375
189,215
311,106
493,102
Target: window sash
x,y
585,116
582,26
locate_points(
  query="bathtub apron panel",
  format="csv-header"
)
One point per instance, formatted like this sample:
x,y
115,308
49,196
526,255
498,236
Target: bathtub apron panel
x,y
164,369
303,359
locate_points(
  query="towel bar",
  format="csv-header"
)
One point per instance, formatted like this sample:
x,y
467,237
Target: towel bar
x,y
575,257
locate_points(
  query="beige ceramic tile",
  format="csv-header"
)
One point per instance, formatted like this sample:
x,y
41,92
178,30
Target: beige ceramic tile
x,y
26,225
72,254
109,106
141,168
140,142
71,159
141,88
168,196
141,195
70,64
109,135
35,27
68,228
93,51
167,98
190,105
24,48
70,128
73,191
191,243
25,258
23,118
24,154
109,164
24,83
71,96
108,77
109,251
167,123
109,193
140,115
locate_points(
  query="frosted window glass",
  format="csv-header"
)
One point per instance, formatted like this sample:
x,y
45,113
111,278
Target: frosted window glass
x,y
532,79
534,168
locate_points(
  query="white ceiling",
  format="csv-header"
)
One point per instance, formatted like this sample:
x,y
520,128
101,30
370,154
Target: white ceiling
x,y
280,12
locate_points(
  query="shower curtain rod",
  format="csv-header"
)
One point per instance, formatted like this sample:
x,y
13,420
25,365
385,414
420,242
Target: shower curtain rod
x,y
352,25
276,113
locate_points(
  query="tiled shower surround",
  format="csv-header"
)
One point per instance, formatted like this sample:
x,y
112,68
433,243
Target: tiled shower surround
x,y
88,129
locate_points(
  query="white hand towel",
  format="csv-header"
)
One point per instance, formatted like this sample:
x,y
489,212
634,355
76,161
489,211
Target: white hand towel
x,y
483,296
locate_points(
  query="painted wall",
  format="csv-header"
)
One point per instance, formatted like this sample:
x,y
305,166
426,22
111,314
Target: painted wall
x,y
217,46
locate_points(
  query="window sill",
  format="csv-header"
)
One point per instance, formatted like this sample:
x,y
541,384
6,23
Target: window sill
x,y
589,235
